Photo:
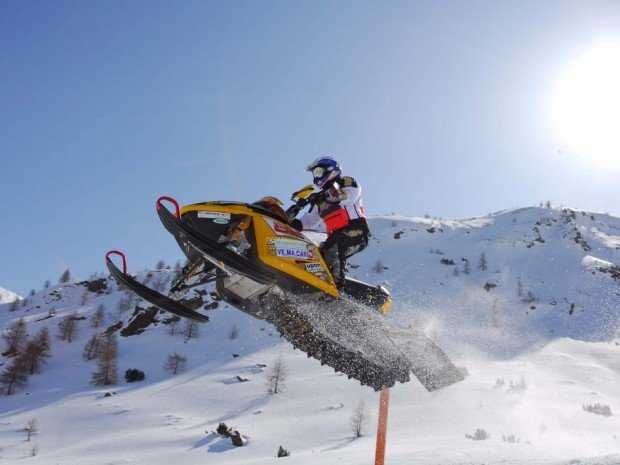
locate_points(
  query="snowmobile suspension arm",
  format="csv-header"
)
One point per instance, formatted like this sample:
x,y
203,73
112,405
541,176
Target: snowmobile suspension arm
x,y
182,287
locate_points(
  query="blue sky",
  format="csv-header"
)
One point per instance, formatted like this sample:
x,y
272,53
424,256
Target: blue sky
x,y
435,107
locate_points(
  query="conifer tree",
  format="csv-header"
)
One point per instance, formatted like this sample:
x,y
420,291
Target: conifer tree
x,y
43,339
191,329
66,276
359,419
276,376
173,324
178,270
14,305
14,376
123,305
111,342
92,349
36,352
97,319
234,333
483,265
32,427
15,337
67,329
106,373
175,363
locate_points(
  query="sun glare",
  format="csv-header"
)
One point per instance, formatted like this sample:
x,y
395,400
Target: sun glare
x,y
586,105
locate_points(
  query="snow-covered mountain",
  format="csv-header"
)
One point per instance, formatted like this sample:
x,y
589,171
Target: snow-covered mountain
x,y
549,273
8,296
535,327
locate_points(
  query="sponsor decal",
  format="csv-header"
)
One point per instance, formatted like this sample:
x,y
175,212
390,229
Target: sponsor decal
x,y
314,267
288,248
282,229
291,253
214,215
285,229
221,221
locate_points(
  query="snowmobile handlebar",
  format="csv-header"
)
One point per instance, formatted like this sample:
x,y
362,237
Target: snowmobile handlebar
x,y
301,202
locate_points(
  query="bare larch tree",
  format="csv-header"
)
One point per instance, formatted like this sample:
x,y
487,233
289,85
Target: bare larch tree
x,y
276,377
15,337
14,376
37,351
106,373
97,319
31,427
359,419
175,363
67,329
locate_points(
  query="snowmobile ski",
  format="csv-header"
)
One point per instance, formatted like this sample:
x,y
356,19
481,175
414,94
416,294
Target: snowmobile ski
x,y
148,294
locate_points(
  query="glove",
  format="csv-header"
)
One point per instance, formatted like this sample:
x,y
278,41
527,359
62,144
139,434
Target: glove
x,y
316,197
333,195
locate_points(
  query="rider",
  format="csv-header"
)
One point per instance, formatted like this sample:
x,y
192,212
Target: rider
x,y
339,205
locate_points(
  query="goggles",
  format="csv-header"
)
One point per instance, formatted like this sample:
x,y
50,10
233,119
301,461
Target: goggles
x,y
318,172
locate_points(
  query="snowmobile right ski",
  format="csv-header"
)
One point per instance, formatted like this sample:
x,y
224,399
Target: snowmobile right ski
x,y
148,294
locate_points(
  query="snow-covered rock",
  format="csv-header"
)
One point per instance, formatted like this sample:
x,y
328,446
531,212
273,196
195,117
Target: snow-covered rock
x,y
7,296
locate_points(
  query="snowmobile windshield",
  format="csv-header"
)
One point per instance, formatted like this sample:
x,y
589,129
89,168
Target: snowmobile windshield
x,y
272,209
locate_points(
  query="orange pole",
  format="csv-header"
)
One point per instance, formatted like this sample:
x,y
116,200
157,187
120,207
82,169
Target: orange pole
x,y
384,402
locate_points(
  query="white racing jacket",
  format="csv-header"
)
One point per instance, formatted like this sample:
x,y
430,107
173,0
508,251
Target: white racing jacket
x,y
346,210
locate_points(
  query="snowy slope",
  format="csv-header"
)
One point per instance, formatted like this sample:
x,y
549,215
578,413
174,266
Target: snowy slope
x,y
526,377
7,296
565,261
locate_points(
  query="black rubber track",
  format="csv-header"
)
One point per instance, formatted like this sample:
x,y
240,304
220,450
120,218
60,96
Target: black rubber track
x,y
295,328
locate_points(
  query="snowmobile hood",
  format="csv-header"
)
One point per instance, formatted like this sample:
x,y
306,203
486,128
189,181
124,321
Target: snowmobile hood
x,y
263,208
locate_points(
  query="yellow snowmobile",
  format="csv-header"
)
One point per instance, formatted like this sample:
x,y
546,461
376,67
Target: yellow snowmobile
x,y
263,266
